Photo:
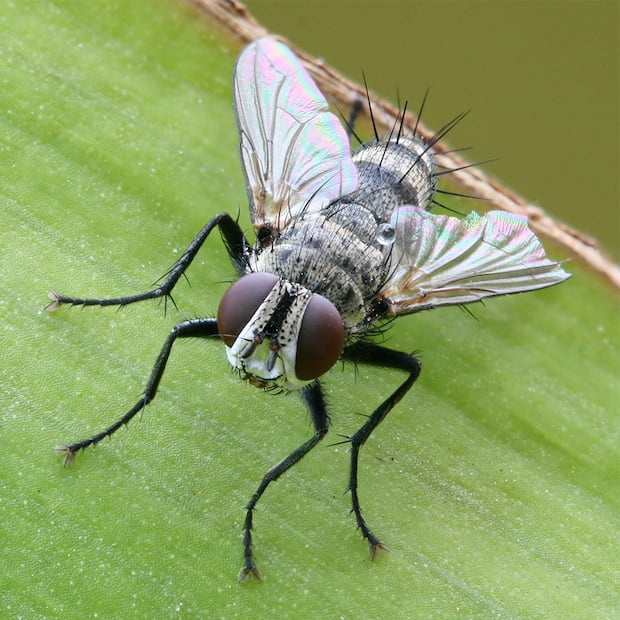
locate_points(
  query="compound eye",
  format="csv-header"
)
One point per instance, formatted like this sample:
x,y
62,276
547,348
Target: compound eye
x,y
321,339
240,302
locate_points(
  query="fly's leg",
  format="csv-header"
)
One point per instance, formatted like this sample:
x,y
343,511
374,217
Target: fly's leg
x,y
374,355
196,328
315,401
354,113
234,240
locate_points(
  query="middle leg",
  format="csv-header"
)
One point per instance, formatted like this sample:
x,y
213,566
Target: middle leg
x,y
375,355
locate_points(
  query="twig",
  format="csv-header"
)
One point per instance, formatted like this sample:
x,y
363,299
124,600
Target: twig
x,y
237,20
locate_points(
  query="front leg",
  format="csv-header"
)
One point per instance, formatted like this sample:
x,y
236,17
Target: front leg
x,y
315,401
194,328
374,355
234,240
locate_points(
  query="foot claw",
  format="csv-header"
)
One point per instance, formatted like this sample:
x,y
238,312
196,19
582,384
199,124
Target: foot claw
x,y
55,303
68,453
375,548
248,571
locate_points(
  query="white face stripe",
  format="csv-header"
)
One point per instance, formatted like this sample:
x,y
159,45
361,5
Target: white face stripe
x,y
271,361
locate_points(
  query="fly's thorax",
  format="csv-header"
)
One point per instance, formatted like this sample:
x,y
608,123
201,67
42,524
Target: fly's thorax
x,y
393,173
336,255
277,332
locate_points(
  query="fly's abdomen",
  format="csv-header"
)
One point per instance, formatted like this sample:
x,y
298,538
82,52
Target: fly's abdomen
x,y
393,173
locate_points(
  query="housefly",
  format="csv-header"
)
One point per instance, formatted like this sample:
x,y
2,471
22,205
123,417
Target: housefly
x,y
344,243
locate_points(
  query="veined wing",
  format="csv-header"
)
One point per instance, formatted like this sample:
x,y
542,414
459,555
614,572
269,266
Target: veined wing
x,y
295,154
438,260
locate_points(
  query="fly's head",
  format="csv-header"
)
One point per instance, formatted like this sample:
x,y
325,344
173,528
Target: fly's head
x,y
277,333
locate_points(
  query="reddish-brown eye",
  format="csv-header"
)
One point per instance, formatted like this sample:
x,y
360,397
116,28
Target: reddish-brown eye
x,y
321,339
240,302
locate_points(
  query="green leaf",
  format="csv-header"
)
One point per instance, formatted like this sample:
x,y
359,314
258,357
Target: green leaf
x,y
494,483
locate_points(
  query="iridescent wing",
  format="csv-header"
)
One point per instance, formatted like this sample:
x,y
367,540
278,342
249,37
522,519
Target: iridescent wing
x,y
295,154
438,260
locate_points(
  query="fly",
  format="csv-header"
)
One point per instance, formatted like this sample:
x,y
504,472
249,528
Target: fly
x,y
344,243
